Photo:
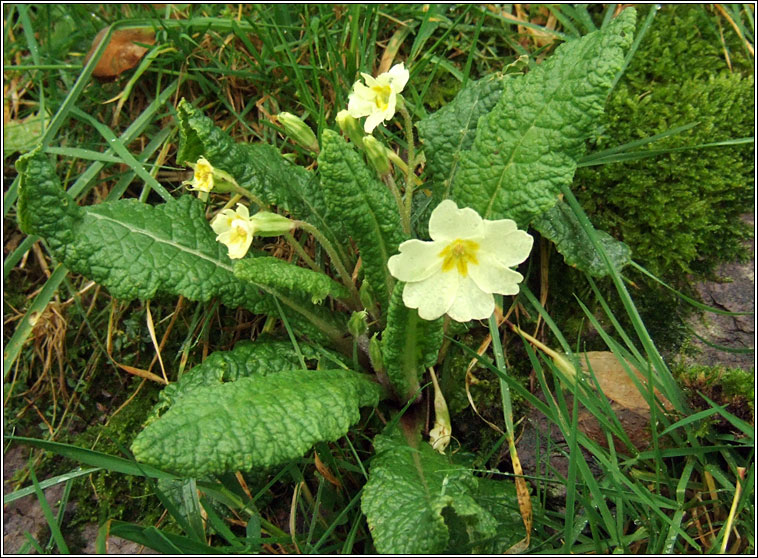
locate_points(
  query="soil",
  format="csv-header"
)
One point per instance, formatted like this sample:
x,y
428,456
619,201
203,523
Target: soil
x,y
25,515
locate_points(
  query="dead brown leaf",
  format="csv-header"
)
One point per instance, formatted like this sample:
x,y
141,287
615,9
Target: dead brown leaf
x,y
627,402
122,53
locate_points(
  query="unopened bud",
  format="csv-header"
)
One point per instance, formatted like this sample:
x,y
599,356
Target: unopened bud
x,y
375,353
298,131
377,155
266,223
350,126
357,325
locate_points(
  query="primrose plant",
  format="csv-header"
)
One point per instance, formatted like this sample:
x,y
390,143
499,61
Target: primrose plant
x,y
385,260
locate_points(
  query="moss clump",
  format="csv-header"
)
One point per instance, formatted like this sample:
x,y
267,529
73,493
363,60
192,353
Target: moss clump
x,y
679,212
107,495
732,387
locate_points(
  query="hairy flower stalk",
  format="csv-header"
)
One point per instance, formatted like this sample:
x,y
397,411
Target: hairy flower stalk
x,y
466,262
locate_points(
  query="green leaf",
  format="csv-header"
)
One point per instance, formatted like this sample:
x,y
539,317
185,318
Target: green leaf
x,y
281,275
246,359
137,250
257,167
526,148
409,488
409,345
560,225
451,130
255,421
364,207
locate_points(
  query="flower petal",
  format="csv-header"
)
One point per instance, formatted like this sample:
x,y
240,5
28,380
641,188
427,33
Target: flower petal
x,y
433,296
491,277
470,302
399,77
223,221
416,261
448,223
509,248
242,212
373,120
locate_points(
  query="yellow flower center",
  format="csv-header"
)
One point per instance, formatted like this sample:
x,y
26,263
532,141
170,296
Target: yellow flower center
x,y
239,232
382,96
458,254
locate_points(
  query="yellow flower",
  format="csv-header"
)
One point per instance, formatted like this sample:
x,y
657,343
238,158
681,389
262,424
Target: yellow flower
x,y
203,179
378,98
235,229
467,260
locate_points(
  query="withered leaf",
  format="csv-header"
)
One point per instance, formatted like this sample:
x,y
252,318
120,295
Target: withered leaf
x,y
122,52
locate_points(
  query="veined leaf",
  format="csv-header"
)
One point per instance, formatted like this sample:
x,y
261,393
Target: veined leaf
x,y
409,487
256,421
409,345
451,130
560,225
526,148
278,274
137,250
364,207
257,167
245,360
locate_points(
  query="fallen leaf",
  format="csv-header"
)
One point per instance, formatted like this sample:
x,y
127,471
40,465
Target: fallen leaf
x,y
122,53
627,402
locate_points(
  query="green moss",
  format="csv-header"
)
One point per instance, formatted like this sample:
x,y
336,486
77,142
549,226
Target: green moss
x,y
105,495
679,212
731,387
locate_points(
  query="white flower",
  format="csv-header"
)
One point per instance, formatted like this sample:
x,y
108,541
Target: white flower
x,y
203,178
467,260
235,229
378,98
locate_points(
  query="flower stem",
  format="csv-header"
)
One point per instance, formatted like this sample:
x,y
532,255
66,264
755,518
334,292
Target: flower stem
x,y
249,195
409,176
336,261
404,214
300,251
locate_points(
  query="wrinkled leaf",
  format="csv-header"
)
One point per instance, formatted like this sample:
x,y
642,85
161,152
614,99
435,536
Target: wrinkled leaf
x,y
278,274
137,250
122,52
363,207
255,421
246,359
526,148
559,224
412,491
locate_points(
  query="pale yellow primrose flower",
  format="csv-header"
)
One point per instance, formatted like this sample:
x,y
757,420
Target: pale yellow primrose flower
x,y
378,98
203,178
467,260
235,229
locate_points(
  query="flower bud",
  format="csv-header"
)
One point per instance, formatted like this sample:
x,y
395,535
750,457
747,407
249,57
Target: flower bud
x,y
298,131
350,126
357,325
440,434
270,224
377,155
375,353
